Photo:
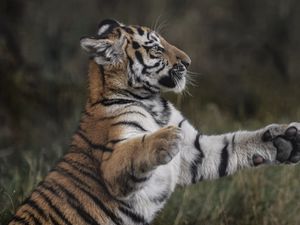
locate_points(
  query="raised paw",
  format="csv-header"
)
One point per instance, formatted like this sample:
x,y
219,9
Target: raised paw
x,y
164,144
286,139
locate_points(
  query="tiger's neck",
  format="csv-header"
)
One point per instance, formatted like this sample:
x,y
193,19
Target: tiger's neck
x,y
105,84
107,88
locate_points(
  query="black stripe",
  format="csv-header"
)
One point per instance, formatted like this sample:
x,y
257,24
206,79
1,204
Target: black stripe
x,y
121,114
87,113
140,31
19,220
161,198
133,216
138,96
149,42
102,75
119,33
197,161
160,69
197,143
155,39
147,48
155,65
138,179
52,206
128,30
224,161
74,203
91,144
139,57
75,150
143,138
233,143
110,102
115,141
120,101
129,123
153,56
31,215
150,88
181,122
135,178
147,83
53,220
194,168
81,167
166,111
130,64
36,207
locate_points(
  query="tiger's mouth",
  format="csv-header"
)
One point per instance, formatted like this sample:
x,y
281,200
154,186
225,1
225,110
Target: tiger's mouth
x,y
175,79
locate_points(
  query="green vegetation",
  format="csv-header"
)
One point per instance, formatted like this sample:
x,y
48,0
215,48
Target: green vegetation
x,y
247,54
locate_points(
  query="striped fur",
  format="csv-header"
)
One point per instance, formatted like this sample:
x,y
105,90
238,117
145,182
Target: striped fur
x,y
132,147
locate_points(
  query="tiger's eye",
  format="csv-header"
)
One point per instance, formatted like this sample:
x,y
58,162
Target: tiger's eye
x,y
157,49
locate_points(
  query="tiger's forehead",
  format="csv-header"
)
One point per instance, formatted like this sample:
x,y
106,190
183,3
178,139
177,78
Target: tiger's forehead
x,y
143,34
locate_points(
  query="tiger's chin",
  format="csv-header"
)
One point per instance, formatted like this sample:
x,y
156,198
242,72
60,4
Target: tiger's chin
x,y
175,84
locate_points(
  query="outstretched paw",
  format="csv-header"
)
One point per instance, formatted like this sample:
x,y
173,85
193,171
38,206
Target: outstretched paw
x,y
286,139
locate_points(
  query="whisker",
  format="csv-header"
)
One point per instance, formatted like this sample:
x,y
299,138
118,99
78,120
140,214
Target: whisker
x,y
194,73
162,26
156,22
191,80
187,92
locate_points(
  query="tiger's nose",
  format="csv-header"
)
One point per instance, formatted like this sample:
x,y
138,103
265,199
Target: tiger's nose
x,y
185,63
183,58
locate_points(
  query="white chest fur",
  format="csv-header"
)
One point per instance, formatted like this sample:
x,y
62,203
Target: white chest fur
x,y
152,197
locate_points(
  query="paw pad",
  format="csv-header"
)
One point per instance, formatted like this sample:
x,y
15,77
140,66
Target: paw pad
x,y
287,143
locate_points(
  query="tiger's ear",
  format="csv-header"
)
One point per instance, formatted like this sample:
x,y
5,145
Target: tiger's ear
x,y
106,26
104,51
105,48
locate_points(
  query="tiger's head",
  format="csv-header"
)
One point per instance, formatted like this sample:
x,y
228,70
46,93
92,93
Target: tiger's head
x,y
149,62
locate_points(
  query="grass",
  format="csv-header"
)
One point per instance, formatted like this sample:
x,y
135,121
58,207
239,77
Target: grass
x,y
265,196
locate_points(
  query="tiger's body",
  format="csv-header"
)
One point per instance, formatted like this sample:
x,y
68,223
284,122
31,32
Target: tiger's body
x,y
132,146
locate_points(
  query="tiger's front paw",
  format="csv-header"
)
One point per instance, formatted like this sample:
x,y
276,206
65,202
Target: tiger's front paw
x,y
286,140
164,144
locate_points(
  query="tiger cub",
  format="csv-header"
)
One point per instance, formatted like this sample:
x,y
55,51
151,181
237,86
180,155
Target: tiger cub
x,y
132,146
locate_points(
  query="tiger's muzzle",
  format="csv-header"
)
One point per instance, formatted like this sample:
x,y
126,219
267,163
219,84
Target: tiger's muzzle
x,y
175,76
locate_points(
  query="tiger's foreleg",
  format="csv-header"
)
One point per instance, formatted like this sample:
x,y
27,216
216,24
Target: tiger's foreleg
x,y
211,157
133,161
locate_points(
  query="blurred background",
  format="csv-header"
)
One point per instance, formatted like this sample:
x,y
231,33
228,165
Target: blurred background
x,y
246,55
